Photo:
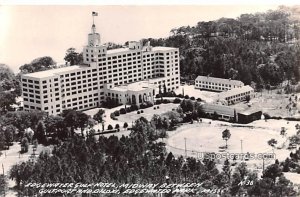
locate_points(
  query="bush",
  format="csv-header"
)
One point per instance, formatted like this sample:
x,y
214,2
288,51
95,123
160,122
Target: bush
x,y
199,99
125,125
158,102
154,108
186,97
157,107
128,109
192,98
134,107
143,106
158,96
117,113
117,126
267,116
142,111
180,96
138,112
110,127
177,100
165,101
113,116
123,111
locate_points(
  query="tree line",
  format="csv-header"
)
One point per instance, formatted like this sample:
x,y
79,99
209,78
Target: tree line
x,y
253,48
140,158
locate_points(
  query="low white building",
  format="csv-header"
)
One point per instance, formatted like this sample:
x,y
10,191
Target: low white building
x,y
134,93
236,95
216,84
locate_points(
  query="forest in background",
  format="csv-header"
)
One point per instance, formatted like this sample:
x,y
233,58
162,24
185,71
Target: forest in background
x,y
260,49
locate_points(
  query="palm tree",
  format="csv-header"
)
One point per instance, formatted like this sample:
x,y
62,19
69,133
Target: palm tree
x,y
226,135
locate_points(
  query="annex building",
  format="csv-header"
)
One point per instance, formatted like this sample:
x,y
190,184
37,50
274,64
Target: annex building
x,y
216,84
129,75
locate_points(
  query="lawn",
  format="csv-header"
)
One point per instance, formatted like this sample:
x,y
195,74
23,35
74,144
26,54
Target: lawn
x,y
272,103
207,137
148,112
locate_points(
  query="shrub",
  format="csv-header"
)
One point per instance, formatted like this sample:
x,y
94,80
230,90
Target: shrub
x,y
154,108
149,104
158,96
128,109
113,116
166,101
143,105
267,116
192,98
122,111
186,97
117,126
142,111
134,107
110,127
138,112
180,96
199,99
158,102
157,107
125,125
117,113
177,100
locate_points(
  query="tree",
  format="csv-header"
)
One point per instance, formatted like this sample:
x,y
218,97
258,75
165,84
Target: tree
x,y
109,127
24,145
6,99
9,133
99,115
272,142
273,171
226,135
125,125
248,98
3,185
72,57
40,133
283,131
38,64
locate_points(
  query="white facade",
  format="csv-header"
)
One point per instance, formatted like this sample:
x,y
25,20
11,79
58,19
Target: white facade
x,y
216,84
236,95
82,87
134,93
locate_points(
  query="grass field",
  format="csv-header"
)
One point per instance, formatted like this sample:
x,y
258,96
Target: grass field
x,y
207,137
148,113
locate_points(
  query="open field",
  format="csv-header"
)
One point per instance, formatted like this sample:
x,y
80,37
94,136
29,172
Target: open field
x,y
207,137
273,104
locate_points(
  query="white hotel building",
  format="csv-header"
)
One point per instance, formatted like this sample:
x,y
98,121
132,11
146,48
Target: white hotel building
x,y
104,73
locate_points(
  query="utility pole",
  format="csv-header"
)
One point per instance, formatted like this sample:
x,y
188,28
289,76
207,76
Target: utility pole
x,y
185,147
242,149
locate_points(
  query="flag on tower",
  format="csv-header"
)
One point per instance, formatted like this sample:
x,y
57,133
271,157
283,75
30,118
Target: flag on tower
x,y
95,13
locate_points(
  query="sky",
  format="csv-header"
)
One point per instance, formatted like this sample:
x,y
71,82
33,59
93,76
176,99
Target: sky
x,y
31,31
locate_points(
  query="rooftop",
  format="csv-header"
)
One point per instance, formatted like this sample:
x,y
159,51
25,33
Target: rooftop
x,y
52,72
221,109
219,80
235,91
119,50
162,48
137,86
